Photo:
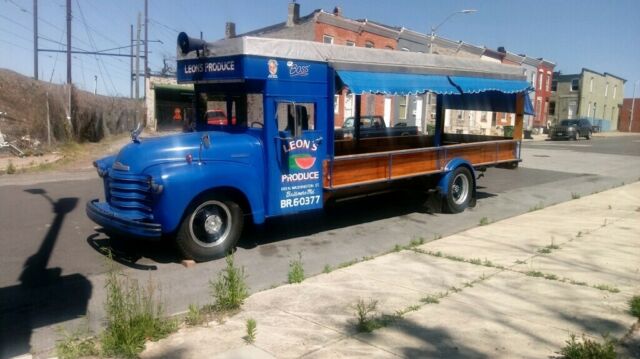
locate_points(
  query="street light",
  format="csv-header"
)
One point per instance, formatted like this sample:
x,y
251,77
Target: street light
x,y
435,28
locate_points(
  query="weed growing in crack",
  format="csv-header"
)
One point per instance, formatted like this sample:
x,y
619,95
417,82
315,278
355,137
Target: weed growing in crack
x,y
195,315
76,344
431,299
251,331
634,306
607,288
575,195
296,270
484,221
367,319
327,269
588,349
230,289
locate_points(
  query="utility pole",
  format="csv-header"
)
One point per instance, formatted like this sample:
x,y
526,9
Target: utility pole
x,y
35,39
69,42
137,73
633,102
131,65
146,46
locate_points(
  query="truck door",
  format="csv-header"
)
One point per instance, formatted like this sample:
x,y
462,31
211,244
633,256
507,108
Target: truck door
x,y
295,163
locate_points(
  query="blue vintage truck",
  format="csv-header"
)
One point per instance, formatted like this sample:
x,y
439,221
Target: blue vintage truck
x,y
281,156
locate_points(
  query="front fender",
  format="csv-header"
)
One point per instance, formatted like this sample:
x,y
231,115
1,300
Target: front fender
x,y
182,182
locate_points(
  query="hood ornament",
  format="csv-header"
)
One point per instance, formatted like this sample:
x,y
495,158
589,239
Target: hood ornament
x,y
136,132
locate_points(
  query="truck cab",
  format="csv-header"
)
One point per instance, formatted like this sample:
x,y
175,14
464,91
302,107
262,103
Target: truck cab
x,y
276,152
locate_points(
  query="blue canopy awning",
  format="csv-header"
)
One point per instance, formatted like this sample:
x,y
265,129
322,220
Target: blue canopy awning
x,y
469,85
396,83
460,93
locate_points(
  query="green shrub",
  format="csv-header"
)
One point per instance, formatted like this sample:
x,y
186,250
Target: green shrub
x,y
11,168
230,290
296,270
195,316
589,349
133,315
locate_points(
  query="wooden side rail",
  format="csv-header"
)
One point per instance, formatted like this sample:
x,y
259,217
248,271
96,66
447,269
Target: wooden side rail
x,y
359,169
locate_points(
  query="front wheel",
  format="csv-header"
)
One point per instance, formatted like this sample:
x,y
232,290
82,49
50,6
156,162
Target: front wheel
x,y
210,229
460,189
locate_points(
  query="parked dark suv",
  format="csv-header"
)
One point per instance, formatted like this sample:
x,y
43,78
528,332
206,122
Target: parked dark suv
x,y
571,129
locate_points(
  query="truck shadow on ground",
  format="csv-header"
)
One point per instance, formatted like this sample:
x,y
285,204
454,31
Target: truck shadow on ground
x,y
44,296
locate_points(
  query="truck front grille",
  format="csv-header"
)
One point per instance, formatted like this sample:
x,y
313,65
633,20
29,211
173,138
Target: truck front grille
x,y
130,194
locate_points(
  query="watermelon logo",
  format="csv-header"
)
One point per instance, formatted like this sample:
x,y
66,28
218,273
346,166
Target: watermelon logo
x,y
301,162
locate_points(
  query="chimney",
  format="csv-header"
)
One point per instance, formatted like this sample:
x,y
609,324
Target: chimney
x,y
230,30
337,11
294,14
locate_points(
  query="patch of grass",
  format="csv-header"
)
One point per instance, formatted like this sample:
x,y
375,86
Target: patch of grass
x,y
348,264
580,283
520,262
397,248
11,168
327,269
431,299
76,344
296,270
195,316
484,221
476,261
634,306
411,308
454,258
416,242
230,289
488,263
535,273
607,288
537,207
544,250
251,331
575,195
589,349
133,315
551,277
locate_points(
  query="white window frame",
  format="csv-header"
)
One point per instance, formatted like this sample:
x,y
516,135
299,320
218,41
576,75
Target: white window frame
x,y
327,37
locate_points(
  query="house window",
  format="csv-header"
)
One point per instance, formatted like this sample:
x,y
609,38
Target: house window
x,y
554,85
402,107
327,39
336,104
552,108
540,81
351,43
368,44
606,89
591,85
548,82
615,89
575,84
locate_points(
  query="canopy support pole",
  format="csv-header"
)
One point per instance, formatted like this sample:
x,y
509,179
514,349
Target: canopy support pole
x,y
517,129
440,112
356,119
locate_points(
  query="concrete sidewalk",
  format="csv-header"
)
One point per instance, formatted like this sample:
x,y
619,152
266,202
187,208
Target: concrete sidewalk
x,y
514,288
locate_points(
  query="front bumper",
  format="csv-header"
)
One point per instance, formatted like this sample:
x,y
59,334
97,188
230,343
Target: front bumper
x,y
102,214
561,135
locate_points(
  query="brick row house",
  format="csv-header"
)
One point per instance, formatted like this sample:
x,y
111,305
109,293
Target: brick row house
x,y
335,28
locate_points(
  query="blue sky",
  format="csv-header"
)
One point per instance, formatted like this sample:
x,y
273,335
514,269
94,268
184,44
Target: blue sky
x,y
601,35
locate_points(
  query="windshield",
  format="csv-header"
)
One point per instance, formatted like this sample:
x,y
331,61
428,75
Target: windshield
x,y
216,110
365,121
569,123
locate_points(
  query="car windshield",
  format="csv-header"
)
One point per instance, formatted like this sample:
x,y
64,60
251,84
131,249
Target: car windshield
x,y
364,122
569,123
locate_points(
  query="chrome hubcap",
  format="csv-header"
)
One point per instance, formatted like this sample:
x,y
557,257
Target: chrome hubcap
x,y
460,188
210,223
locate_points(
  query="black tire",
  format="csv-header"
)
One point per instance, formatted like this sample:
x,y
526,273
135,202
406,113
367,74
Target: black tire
x,y
588,135
460,190
576,136
210,229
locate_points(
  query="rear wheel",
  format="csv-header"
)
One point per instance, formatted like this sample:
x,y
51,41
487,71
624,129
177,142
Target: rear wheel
x,y
588,135
460,190
210,229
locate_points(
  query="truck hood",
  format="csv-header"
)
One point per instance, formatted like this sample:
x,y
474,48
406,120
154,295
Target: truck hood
x,y
138,156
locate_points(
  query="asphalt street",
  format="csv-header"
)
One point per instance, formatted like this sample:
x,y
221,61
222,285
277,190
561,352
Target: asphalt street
x,y
53,263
